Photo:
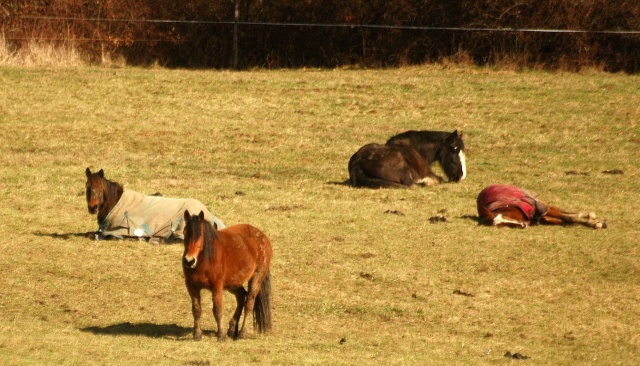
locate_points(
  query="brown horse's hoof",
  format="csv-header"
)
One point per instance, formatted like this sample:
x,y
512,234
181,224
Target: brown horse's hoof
x,y
242,334
197,336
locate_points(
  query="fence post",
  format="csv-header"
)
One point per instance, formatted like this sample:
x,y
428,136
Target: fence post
x,y
235,34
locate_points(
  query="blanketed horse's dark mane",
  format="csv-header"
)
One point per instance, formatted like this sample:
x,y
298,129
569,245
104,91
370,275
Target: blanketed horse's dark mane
x,y
113,192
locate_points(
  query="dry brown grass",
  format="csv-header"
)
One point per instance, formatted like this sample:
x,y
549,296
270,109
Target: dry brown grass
x,y
262,147
39,54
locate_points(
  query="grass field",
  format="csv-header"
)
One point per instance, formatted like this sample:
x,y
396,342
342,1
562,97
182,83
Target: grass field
x,y
359,276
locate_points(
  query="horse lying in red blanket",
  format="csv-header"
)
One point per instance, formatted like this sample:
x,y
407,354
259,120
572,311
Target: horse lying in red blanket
x,y
506,205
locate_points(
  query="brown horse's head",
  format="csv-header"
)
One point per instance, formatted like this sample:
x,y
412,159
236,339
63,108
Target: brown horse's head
x,y
96,189
198,238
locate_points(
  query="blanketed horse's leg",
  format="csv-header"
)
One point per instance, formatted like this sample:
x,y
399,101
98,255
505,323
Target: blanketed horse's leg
x,y
501,220
240,294
217,310
196,309
557,216
504,216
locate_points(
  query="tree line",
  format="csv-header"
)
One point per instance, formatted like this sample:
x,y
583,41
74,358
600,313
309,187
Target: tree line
x,y
334,33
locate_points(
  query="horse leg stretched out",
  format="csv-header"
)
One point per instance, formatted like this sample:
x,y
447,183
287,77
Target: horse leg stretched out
x,y
506,205
226,259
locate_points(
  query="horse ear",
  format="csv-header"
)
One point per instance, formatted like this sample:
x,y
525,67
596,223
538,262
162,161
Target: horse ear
x,y
187,215
455,133
201,216
101,173
87,172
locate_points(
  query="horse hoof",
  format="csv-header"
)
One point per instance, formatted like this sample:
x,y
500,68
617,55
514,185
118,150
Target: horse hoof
x,y
601,225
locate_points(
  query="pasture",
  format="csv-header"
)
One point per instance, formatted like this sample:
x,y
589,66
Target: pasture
x,y
359,276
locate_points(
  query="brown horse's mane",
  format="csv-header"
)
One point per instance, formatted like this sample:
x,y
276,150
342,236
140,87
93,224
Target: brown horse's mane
x,y
208,233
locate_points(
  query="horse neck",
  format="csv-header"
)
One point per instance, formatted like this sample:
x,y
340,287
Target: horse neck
x,y
112,193
429,152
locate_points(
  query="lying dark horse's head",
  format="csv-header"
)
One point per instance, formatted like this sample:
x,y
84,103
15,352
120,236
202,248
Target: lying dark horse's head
x,y
445,147
452,157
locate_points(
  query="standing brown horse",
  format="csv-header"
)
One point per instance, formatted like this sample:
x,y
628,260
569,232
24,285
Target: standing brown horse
x,y
506,205
224,260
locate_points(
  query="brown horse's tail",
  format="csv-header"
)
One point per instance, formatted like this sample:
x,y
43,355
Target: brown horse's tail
x,y
262,307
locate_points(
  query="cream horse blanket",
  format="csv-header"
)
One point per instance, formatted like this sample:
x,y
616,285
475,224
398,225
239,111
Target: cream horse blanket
x,y
138,215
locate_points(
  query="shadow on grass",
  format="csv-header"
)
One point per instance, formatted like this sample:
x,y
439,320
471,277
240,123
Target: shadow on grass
x,y
144,329
63,236
474,218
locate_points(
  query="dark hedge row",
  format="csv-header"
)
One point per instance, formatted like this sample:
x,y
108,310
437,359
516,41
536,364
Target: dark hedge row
x,y
202,32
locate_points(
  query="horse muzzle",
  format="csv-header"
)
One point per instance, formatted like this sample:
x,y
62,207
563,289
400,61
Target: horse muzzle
x,y
92,209
189,263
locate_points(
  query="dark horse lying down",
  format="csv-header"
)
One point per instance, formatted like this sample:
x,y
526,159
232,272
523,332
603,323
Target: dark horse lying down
x,y
405,160
506,205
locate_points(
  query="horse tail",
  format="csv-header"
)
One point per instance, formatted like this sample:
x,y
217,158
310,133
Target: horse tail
x,y
262,307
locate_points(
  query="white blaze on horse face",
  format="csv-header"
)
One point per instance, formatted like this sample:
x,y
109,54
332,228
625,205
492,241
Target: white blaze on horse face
x,y
463,163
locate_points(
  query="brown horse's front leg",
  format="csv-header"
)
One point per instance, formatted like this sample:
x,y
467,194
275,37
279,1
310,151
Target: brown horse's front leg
x,y
217,311
196,309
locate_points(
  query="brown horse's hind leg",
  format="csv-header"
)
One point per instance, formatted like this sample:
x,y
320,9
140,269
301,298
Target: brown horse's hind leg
x,y
556,216
250,299
241,295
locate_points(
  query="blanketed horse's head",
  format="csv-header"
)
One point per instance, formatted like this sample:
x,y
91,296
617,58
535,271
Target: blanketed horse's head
x,y
198,238
96,190
452,157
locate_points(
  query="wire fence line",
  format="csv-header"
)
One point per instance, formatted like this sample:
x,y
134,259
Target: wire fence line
x,y
341,25
293,44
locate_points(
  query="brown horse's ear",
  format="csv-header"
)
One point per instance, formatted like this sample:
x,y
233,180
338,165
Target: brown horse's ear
x,y
455,133
187,215
87,172
201,216
101,173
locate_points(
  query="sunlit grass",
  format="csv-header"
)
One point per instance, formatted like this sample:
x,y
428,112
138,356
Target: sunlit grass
x,y
366,266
